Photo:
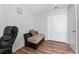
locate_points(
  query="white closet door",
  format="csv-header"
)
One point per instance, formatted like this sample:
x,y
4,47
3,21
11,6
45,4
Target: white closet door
x,y
72,23
57,29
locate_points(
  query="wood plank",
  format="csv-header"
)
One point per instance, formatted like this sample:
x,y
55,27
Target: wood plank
x,y
48,47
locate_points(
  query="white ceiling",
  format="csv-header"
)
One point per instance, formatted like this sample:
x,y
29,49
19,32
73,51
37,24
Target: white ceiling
x,y
43,7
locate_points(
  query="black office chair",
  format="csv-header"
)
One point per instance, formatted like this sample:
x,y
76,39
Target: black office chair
x,y
7,40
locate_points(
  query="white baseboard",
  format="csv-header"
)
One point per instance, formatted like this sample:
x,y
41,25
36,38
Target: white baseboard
x,y
18,47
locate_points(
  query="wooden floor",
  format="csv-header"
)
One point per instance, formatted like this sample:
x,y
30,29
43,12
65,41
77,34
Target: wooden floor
x,y
47,47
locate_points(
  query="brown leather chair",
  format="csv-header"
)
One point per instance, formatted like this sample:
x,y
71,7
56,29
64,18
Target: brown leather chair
x,y
31,44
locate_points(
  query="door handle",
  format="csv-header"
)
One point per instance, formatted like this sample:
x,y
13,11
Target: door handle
x,y
73,31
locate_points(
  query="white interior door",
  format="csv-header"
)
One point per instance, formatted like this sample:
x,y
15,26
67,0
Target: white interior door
x,y
57,29
78,28
72,26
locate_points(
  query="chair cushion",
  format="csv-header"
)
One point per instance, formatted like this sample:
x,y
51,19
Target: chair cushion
x,y
5,44
33,32
8,30
6,38
5,41
36,39
27,35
